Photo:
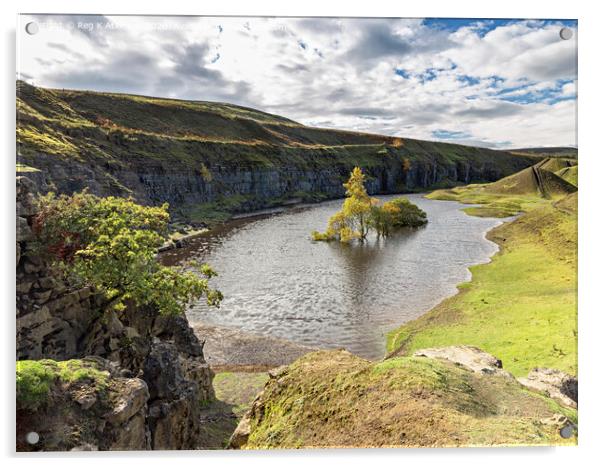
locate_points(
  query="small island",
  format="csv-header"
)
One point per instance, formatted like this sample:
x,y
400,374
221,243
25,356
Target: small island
x,y
361,213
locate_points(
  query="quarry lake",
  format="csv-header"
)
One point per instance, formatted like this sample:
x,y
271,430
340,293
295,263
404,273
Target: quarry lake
x,y
276,281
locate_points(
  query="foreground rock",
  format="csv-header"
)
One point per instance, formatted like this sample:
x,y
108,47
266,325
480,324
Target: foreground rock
x,y
97,411
137,348
554,383
336,399
470,357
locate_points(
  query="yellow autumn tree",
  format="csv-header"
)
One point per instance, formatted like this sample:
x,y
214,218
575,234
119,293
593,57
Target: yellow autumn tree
x,y
353,220
361,213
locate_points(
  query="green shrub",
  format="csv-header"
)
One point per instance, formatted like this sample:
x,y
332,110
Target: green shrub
x,y
361,213
409,215
111,244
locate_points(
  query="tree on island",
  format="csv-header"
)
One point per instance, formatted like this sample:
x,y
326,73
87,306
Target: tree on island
x,y
111,244
360,213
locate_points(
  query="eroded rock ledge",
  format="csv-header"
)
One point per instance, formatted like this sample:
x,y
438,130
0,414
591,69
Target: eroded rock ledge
x,y
155,380
552,382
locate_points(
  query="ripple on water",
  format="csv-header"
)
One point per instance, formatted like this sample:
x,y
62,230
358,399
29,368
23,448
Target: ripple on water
x,y
277,281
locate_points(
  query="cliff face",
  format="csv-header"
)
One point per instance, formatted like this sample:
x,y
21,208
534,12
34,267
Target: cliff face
x,y
129,380
156,184
161,150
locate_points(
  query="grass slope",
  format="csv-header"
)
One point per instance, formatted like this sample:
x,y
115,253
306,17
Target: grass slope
x,y
121,131
522,306
234,392
36,378
570,152
519,192
538,180
336,399
569,174
553,164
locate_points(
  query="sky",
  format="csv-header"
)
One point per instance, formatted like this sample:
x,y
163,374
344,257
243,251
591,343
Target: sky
x,y
491,83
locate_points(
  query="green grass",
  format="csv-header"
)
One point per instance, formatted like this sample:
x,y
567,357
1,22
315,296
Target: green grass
x,y
46,140
35,379
522,306
111,132
238,389
336,399
490,204
570,174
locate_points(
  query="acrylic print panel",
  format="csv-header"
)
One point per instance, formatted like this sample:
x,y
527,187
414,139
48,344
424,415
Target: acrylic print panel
x,y
252,233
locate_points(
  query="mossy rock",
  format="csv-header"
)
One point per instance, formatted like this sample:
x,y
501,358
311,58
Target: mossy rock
x,y
35,379
336,399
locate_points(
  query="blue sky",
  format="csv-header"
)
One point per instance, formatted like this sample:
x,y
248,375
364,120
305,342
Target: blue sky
x,y
485,25
495,83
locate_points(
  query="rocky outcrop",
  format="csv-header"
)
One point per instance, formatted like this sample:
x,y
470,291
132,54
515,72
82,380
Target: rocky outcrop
x,y
240,436
89,414
260,187
52,318
470,357
159,379
554,383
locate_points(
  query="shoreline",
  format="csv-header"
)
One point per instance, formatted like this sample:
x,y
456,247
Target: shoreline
x,y
254,344
229,349
520,306
432,312
243,217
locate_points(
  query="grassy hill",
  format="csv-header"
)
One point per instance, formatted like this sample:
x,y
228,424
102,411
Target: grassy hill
x,y
190,152
553,164
522,306
567,152
519,192
569,174
537,180
336,399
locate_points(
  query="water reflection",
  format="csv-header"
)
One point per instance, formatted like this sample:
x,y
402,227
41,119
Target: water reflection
x,y
277,281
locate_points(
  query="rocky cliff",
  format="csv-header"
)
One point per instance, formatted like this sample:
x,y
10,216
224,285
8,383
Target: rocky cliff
x,y
88,378
162,150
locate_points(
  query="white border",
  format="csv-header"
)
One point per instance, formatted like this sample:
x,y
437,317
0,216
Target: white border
x,y
590,143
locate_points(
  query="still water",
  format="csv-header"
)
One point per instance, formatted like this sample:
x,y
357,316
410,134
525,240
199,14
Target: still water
x,y
278,282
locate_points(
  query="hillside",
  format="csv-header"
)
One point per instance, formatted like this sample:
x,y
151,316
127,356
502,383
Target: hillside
x,y
519,192
335,399
568,152
569,174
538,180
528,290
185,152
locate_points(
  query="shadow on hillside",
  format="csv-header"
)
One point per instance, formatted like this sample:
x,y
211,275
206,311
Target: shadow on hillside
x,y
218,422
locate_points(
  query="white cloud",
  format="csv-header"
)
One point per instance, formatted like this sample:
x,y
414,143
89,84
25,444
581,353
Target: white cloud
x,y
569,89
331,72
